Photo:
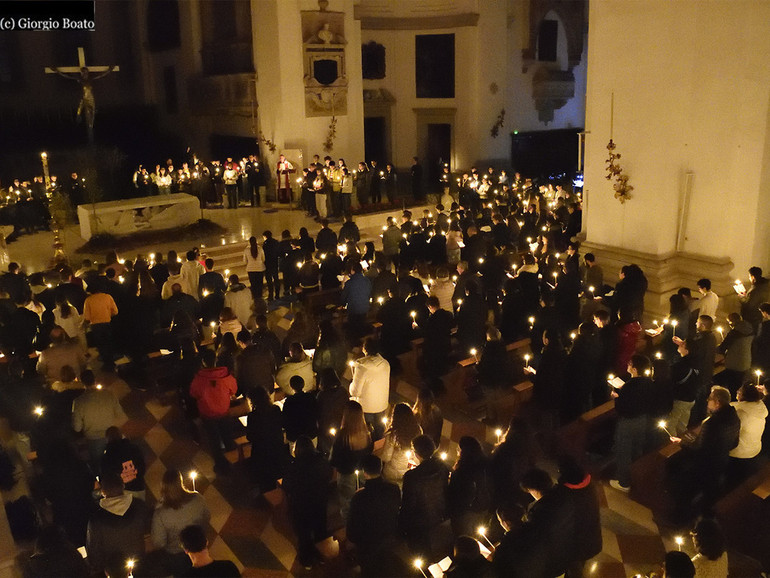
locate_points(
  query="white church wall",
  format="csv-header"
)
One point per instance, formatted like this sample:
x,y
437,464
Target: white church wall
x,y
690,82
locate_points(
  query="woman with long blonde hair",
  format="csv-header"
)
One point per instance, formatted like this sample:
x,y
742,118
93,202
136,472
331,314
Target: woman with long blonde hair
x,y
178,508
352,444
402,430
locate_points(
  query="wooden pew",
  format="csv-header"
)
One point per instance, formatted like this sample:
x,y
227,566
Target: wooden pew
x,y
457,378
592,428
744,514
648,479
316,302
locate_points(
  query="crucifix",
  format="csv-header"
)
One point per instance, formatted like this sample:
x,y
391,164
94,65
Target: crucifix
x,y
87,106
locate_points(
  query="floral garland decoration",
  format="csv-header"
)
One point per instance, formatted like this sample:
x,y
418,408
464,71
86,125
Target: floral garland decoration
x,y
614,170
267,142
329,142
498,124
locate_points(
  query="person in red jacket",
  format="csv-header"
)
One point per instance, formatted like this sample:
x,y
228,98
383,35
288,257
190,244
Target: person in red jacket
x,y
212,388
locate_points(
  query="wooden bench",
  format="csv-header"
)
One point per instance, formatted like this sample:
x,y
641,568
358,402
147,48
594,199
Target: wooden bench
x,y
591,429
744,514
648,479
462,373
318,301
241,452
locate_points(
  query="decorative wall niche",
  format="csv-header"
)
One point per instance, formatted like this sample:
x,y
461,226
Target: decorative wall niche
x,y
325,71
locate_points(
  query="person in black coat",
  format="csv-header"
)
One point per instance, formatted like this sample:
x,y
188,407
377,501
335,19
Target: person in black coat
x,y
306,484
542,545
424,501
272,250
437,345
326,239
628,300
264,431
467,561
124,458
300,411
372,523
699,469
580,491
548,381
582,364
470,492
495,368
511,458
760,347
633,401
471,319
55,556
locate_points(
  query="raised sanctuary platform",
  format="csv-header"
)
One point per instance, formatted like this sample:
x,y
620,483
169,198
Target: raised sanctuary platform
x,y
140,214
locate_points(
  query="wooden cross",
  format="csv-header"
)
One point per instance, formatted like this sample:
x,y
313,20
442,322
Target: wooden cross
x,y
87,107
81,65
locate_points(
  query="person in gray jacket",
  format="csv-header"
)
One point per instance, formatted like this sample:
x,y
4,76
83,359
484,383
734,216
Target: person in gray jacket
x,y
736,348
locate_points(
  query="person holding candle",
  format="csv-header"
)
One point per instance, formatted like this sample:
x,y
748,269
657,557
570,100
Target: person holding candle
x,y
685,384
371,385
352,444
580,492
760,346
470,489
758,293
178,508
372,523
736,349
264,429
703,350
402,429
753,415
424,501
696,474
711,546
633,402
117,526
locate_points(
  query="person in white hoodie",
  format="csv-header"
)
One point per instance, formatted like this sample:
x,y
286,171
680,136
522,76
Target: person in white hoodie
x,y
752,412
371,385
191,272
174,277
238,298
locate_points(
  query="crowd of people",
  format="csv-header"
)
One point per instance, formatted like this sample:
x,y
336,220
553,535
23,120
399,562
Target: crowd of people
x,y
484,268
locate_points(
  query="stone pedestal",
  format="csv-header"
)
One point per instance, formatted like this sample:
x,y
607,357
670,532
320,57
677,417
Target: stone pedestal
x,y
141,214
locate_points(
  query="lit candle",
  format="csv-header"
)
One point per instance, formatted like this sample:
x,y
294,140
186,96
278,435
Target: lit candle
x,y
758,373
662,425
351,364
357,480
499,434
384,421
591,289
130,567
679,541
482,531
572,336
227,272
473,353
333,431
674,323
658,355
38,411
459,302
526,359
380,300
193,475
443,456
721,331
98,386
418,563
413,314
531,321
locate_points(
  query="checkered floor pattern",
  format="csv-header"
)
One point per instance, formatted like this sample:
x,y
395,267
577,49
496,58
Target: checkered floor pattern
x,y
253,530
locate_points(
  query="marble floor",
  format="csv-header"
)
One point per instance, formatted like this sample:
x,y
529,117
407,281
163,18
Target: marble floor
x,y
253,530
